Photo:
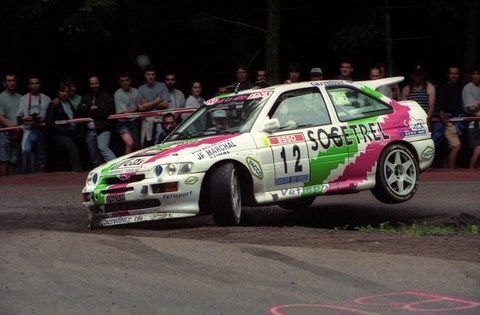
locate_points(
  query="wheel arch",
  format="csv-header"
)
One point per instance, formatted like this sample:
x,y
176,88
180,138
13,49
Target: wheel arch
x,y
246,182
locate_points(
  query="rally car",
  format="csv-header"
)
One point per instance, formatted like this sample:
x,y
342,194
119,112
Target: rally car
x,y
284,145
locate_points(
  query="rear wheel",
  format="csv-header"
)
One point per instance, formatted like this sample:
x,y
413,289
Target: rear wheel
x,y
225,196
397,175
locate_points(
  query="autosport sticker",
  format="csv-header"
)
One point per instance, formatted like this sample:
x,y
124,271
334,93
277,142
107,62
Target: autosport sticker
x,y
177,195
292,179
254,167
290,138
413,127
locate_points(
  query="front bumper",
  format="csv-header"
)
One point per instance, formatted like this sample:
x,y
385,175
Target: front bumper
x,y
144,200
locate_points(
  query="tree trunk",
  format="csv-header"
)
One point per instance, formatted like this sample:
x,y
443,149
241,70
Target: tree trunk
x,y
272,41
472,33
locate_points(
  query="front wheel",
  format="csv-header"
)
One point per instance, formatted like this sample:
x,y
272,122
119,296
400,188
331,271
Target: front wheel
x,y
225,195
397,175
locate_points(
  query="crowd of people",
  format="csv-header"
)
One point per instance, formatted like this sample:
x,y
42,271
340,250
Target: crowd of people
x,y
42,139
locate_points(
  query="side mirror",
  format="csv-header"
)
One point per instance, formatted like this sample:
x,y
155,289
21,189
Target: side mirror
x,y
271,125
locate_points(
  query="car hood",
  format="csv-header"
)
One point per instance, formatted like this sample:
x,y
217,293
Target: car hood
x,y
190,150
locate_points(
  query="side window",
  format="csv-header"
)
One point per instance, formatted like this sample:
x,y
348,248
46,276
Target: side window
x,y
352,104
301,108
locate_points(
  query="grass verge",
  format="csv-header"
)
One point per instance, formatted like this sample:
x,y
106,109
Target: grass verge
x,y
419,229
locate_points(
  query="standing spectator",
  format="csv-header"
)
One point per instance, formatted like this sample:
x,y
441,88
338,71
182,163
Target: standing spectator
x,y
177,98
152,95
168,124
195,99
9,101
449,105
126,101
316,74
394,87
73,96
64,136
241,74
32,112
293,73
346,70
471,103
97,105
375,74
420,90
261,78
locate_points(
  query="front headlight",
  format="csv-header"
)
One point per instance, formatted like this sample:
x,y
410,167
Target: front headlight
x,y
92,179
171,169
175,168
185,168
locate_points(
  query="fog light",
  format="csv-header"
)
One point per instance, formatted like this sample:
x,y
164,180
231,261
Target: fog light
x,y
164,187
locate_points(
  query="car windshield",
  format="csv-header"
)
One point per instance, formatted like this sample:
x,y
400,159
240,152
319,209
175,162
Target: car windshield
x,y
222,115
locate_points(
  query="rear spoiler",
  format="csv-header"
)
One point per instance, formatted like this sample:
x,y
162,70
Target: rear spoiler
x,y
374,84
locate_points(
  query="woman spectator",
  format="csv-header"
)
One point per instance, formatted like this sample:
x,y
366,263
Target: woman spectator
x,y
64,135
195,100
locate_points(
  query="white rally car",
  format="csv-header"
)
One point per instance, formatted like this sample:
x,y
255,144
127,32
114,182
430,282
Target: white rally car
x,y
284,145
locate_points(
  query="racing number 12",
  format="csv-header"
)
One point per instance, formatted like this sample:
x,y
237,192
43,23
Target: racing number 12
x,y
296,153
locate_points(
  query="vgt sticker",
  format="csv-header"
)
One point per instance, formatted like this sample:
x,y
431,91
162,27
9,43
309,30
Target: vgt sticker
x,y
428,153
290,138
304,191
255,167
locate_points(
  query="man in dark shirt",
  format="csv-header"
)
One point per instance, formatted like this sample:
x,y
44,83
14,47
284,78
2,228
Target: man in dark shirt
x,y
449,105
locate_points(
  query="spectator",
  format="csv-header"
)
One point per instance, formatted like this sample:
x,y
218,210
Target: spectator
x,y
73,96
221,90
97,105
293,73
394,87
32,112
152,95
195,99
9,102
420,90
346,70
375,74
64,136
261,78
471,103
177,98
449,105
164,129
241,74
126,101
316,74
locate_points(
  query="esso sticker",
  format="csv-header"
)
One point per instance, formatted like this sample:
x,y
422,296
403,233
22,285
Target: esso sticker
x,y
290,138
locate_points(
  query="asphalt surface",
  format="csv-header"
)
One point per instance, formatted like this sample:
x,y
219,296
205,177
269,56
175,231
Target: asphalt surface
x,y
276,264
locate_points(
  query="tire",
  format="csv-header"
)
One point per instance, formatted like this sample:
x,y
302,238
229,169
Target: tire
x,y
92,217
397,175
225,197
297,204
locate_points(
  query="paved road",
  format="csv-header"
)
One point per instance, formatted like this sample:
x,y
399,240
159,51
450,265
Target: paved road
x,y
50,264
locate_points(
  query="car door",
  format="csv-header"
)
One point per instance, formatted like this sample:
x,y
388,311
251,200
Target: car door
x,y
360,117
300,113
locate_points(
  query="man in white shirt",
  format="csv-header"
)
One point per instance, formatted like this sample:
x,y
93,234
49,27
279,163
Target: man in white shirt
x,y
126,101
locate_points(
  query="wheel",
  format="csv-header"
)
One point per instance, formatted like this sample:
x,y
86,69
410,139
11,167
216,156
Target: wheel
x,y
397,175
225,197
92,214
297,204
